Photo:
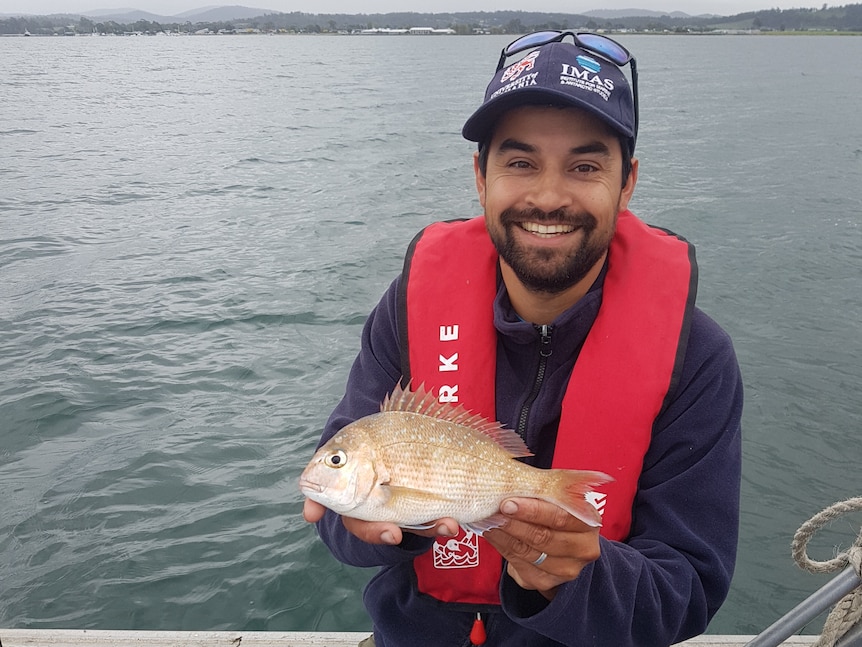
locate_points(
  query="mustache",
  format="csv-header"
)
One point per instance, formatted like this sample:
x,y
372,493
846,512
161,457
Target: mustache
x,y
512,216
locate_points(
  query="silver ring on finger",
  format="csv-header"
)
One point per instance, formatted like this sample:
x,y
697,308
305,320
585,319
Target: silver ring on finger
x,y
541,558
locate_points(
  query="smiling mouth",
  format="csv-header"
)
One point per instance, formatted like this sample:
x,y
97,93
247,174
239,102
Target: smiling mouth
x,y
546,231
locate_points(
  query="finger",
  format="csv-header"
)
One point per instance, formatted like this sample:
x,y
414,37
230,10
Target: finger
x,y
527,541
374,532
370,532
312,511
542,513
561,557
531,569
535,580
514,549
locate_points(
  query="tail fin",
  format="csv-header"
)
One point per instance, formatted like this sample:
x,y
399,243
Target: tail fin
x,y
571,487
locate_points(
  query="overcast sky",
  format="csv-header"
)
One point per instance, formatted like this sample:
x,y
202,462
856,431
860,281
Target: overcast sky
x,y
173,7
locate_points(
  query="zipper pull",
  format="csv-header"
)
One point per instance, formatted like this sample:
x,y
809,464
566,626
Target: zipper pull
x,y
545,342
477,633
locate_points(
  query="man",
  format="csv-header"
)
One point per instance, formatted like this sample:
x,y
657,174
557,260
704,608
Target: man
x,y
569,320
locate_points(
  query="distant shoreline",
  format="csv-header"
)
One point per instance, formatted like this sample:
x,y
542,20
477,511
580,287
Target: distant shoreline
x,y
826,20
728,32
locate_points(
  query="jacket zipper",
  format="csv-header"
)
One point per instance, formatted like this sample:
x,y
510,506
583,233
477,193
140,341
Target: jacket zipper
x,y
544,353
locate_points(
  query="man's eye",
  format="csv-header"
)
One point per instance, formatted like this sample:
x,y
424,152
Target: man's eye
x,y
585,168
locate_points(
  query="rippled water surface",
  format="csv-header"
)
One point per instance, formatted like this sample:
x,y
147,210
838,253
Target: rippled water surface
x,y
192,231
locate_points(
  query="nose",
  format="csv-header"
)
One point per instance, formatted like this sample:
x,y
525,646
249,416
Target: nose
x,y
549,191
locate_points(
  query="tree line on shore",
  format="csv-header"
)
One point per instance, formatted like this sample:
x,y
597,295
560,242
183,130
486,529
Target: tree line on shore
x,y
847,18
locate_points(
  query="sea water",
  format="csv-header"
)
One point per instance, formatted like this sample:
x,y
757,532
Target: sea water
x,y
193,230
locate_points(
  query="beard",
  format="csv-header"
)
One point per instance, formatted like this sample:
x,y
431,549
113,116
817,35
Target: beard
x,y
548,270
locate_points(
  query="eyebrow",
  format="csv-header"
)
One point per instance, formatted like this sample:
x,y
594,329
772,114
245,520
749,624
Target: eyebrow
x,y
515,145
592,147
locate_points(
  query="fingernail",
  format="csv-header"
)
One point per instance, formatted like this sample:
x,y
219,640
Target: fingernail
x,y
388,538
509,507
444,531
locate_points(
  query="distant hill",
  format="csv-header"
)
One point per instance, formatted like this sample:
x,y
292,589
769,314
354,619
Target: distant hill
x,y
216,14
203,14
122,15
108,12
192,12
233,19
634,13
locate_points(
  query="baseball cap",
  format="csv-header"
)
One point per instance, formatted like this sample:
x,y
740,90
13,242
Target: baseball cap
x,y
560,74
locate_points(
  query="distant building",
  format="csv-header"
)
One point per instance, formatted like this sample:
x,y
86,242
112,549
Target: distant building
x,y
382,31
427,31
416,31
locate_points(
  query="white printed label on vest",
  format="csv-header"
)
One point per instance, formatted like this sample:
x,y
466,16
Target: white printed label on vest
x,y
598,499
457,552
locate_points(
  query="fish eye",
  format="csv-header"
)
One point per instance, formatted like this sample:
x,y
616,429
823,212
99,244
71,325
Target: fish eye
x,y
336,459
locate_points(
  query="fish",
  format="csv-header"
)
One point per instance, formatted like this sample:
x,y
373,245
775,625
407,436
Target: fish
x,y
419,460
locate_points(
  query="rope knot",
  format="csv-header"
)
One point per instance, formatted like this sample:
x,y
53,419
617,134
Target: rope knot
x,y
848,611
808,529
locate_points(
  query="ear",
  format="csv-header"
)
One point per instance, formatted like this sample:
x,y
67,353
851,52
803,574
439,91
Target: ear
x,y
629,187
480,179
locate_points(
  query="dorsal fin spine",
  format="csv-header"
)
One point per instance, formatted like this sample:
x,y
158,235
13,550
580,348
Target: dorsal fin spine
x,y
423,402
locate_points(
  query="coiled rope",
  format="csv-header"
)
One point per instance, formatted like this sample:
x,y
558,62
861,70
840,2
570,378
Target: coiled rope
x,y
848,611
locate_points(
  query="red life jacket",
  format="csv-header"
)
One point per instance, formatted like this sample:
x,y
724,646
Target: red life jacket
x,y
629,362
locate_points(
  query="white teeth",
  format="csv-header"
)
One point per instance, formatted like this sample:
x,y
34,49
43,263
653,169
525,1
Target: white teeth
x,y
546,230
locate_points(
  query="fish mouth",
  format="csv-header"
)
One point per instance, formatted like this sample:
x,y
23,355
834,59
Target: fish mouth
x,y
309,486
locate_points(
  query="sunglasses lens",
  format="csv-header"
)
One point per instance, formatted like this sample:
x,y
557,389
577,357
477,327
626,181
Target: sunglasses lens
x,y
612,51
531,40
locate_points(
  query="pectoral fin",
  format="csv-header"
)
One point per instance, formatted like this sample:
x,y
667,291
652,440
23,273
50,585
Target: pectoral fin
x,y
483,525
426,526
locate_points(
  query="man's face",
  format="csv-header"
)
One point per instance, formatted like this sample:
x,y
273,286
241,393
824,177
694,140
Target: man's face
x,y
551,194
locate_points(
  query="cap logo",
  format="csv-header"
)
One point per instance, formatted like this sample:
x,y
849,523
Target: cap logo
x,y
589,64
586,77
515,70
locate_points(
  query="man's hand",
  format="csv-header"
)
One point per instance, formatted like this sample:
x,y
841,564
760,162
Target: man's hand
x,y
380,532
535,527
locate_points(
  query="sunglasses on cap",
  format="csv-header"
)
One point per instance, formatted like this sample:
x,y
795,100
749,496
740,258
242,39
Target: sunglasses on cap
x,y
605,47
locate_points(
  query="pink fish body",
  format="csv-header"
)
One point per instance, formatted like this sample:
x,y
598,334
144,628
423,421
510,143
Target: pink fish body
x,y
418,460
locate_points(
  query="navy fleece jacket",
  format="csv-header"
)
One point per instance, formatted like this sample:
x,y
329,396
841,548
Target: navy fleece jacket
x,y
662,585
